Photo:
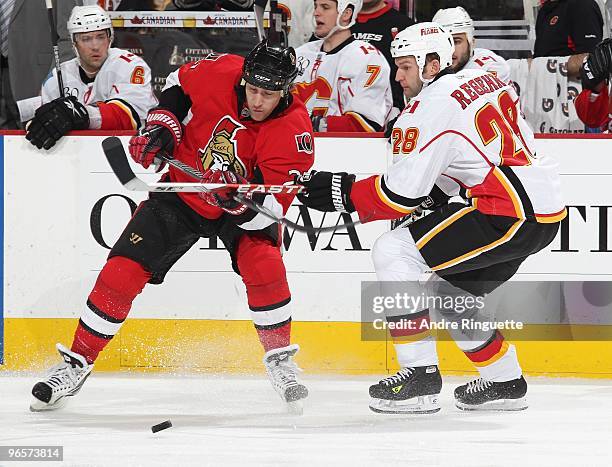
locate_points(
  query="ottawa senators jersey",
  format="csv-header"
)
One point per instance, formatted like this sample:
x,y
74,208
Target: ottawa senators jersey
x,y
350,85
219,133
119,96
465,134
484,59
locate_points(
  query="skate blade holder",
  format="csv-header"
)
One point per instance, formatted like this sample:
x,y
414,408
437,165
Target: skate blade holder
x,y
416,405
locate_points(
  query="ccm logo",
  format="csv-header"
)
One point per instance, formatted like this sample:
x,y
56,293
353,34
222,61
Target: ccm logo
x,y
270,189
427,31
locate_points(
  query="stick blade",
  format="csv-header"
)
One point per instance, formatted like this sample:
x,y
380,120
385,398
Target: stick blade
x,y
118,161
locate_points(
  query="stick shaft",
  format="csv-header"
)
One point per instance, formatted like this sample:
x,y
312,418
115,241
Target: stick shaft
x,y
54,43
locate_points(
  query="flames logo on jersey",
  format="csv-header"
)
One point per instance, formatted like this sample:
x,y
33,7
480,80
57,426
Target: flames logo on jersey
x,y
220,152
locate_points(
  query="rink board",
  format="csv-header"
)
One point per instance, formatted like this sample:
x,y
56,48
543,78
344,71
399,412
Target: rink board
x,y
78,209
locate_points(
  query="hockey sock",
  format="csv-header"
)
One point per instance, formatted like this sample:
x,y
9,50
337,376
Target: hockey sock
x,y
414,344
274,337
109,303
263,273
496,359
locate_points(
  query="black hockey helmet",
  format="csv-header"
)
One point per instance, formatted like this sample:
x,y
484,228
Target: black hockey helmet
x,y
270,67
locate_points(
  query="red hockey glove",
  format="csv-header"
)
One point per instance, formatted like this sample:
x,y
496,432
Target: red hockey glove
x,y
224,199
163,132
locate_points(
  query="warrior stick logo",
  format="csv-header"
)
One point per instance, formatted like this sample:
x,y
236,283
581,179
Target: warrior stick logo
x,y
220,152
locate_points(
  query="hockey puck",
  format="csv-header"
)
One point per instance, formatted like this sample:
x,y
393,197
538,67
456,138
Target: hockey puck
x,y
161,426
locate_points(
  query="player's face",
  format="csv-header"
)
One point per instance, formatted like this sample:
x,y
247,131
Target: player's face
x,y
261,102
462,52
92,48
408,76
325,14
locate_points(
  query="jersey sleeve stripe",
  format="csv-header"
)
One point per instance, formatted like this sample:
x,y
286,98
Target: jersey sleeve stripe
x,y
393,200
128,109
367,125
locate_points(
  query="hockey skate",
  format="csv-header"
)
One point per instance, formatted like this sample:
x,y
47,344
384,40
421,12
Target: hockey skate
x,y
282,372
62,381
410,391
481,394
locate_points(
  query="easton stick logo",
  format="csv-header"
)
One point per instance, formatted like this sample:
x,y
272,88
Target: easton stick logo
x,y
220,153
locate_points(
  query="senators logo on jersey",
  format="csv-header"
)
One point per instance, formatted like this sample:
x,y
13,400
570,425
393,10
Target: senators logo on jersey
x,y
303,142
220,151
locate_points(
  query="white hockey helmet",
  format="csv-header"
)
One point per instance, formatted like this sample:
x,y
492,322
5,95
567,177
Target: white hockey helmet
x,y
456,21
87,19
343,5
422,39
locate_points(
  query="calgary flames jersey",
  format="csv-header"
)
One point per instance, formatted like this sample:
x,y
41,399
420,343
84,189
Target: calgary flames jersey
x,y
484,59
350,85
219,133
465,134
121,90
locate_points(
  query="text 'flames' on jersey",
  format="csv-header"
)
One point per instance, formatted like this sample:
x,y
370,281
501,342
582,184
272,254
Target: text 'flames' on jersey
x,y
121,90
218,134
465,134
352,79
484,59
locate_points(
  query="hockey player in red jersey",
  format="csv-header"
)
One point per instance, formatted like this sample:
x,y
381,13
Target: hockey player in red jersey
x,y
232,119
106,88
461,135
594,103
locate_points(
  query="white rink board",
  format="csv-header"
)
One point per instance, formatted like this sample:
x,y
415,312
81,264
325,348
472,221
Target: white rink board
x,y
51,257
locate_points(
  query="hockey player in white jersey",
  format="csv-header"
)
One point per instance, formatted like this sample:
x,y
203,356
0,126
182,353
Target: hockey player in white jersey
x,y
106,88
461,134
343,82
467,56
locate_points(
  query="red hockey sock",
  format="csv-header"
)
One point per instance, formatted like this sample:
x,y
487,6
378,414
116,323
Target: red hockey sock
x,y
274,338
109,303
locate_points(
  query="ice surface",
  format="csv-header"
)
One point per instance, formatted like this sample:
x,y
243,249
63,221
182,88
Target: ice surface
x,y
230,420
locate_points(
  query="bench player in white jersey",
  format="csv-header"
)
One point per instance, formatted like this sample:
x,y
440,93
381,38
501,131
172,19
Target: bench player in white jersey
x,y
461,134
467,56
106,88
343,82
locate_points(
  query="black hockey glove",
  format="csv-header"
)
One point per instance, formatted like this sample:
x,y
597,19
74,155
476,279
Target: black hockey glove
x,y
435,199
54,119
327,191
597,67
319,123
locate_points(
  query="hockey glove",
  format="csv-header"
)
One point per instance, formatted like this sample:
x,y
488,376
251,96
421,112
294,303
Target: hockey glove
x,y
162,132
223,199
597,66
319,123
327,191
54,119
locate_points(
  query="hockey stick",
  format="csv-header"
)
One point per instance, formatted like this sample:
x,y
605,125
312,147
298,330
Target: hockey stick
x,y
117,158
54,43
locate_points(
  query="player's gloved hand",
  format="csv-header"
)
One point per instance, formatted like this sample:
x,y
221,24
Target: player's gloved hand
x,y
436,199
162,132
54,119
597,67
327,191
223,199
319,123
